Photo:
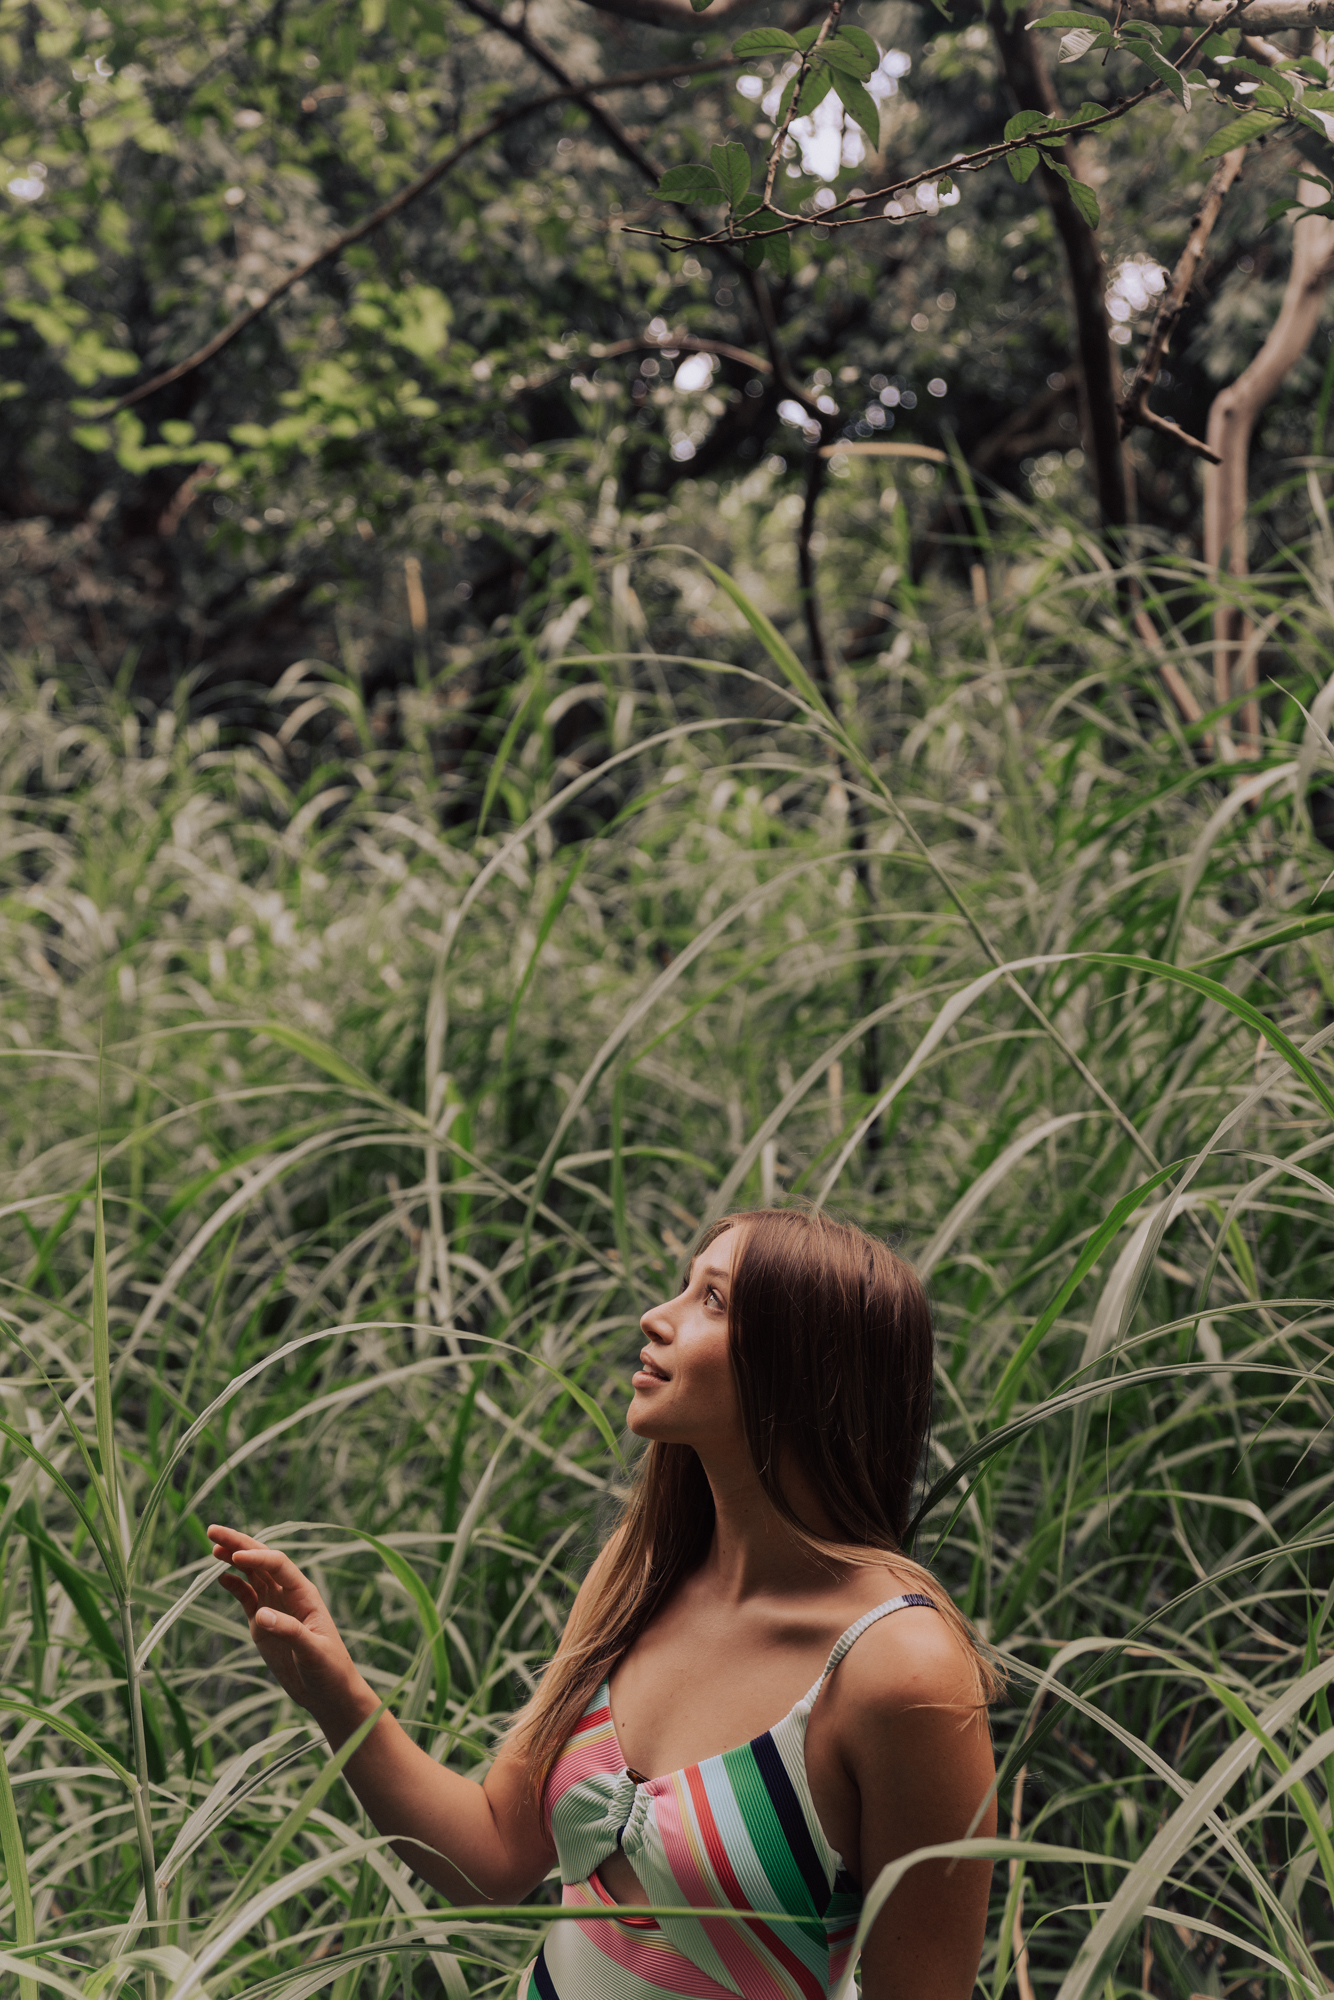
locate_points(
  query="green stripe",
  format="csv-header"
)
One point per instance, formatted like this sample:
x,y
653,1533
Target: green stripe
x,y
768,1839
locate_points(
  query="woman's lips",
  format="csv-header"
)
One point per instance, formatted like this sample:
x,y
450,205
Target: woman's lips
x,y
647,1371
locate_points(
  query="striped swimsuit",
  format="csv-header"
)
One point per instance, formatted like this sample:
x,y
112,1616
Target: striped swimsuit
x,y
737,1832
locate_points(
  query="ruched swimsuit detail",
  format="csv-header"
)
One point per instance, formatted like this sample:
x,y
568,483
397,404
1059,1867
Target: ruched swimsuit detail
x,y
737,1833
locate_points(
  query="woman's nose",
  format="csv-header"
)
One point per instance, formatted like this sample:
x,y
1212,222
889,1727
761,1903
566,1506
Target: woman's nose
x,y
656,1324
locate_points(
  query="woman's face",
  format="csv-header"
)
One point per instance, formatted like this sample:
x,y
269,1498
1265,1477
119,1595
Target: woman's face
x,y
684,1389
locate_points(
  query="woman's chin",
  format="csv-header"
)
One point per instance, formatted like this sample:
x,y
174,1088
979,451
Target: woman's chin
x,y
639,1418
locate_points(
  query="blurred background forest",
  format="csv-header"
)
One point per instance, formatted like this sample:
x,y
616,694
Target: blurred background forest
x,y
533,710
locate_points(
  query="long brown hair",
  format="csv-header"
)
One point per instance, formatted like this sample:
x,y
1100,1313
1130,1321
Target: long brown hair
x,y
832,1351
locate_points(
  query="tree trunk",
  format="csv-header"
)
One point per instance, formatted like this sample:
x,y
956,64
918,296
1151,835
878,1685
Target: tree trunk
x,y
1031,87
1232,419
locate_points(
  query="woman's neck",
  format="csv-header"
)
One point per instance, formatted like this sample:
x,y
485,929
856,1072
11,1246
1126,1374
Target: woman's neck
x,y
755,1551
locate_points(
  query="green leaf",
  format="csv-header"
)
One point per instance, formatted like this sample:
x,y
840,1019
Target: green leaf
x,y
805,37
764,42
850,61
50,1718
858,100
1008,1386
106,1432
778,253
752,253
1222,996
1024,122
1239,133
819,82
180,1722
81,1593
1164,72
1022,163
700,5
1079,41
785,101
16,1874
731,163
434,1631
1271,78
694,183
588,1404
1083,197
1069,17
317,1052
858,39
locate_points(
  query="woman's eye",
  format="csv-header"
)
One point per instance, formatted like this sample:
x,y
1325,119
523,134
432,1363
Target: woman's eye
x,y
712,1294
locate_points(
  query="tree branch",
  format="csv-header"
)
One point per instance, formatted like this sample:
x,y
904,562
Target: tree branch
x,y
1134,407
509,115
611,125
652,172
1232,419
1252,17
822,671
1031,85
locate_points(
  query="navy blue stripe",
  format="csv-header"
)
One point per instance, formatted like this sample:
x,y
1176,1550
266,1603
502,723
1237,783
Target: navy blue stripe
x,y
791,1818
916,1597
542,1978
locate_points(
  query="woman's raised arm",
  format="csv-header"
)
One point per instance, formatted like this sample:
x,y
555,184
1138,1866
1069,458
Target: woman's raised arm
x,y
495,1846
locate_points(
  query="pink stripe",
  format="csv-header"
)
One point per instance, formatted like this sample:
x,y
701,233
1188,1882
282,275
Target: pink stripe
x,y
743,1954
587,1757
647,1957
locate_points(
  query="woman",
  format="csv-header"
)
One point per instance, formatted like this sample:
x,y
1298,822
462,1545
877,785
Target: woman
x,y
756,1574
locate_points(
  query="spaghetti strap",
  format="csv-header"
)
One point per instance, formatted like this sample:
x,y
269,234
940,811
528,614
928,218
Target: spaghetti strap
x,y
854,1632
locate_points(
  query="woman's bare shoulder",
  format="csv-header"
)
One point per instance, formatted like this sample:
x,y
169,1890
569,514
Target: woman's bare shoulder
x,y
911,1659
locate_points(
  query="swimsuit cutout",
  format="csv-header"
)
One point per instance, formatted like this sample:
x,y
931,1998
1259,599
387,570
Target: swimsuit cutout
x,y
737,1832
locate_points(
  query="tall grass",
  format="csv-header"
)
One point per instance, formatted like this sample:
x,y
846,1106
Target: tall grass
x,y
358,1098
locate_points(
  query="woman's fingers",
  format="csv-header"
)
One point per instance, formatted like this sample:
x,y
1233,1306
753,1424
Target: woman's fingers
x,y
268,1569
278,1625
226,1539
237,1587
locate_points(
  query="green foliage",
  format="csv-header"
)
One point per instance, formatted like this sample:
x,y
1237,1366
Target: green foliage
x,y
408,1107
164,175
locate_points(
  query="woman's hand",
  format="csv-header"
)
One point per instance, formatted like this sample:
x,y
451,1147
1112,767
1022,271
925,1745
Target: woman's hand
x,y
290,1624
487,1842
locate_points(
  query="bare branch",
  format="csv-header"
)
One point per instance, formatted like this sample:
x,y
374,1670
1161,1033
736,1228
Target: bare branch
x,y
1134,406
611,125
1231,420
1151,421
1252,17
